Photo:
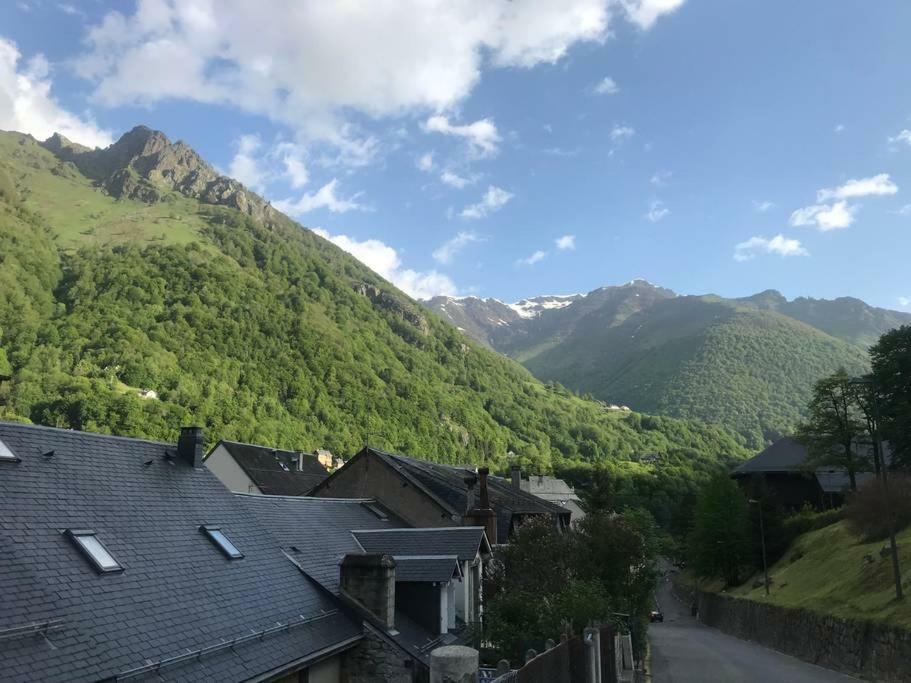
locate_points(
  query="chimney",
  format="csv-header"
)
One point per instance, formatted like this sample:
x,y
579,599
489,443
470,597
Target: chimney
x,y
368,579
485,497
190,446
300,461
515,473
481,514
470,481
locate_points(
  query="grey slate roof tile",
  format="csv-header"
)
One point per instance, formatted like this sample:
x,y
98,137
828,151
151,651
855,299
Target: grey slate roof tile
x,y
464,542
264,466
177,592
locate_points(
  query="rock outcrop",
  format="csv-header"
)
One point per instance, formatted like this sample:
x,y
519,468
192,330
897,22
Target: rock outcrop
x,y
145,165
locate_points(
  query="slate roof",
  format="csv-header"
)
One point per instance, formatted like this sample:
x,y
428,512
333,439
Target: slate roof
x,y
264,465
464,542
301,524
177,594
322,524
785,455
446,483
426,568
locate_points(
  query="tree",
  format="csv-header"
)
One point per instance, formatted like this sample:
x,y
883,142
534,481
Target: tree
x,y
891,361
833,426
719,545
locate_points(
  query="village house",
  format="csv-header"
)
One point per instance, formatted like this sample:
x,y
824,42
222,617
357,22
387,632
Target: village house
x,y
249,468
427,494
128,559
549,488
782,470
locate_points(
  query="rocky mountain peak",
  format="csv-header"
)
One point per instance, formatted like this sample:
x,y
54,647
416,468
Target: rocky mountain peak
x,y
145,165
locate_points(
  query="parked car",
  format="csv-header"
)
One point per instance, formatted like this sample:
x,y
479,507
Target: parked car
x,y
655,615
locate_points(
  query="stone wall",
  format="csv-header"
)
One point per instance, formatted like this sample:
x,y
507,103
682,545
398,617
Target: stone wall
x,y
376,659
864,648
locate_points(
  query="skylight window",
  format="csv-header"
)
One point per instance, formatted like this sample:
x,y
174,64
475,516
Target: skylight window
x,y
224,544
6,455
94,550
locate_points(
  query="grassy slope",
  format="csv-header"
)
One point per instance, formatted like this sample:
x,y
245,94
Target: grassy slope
x,y
697,357
832,577
259,334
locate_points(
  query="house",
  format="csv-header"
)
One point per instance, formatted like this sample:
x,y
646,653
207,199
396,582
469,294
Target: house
x,y
328,460
782,469
128,559
549,488
427,494
248,468
424,584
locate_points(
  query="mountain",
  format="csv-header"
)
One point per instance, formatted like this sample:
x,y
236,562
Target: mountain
x,y
746,363
140,291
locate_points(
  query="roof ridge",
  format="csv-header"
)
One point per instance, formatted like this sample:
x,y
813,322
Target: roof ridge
x,y
259,445
64,430
431,528
309,498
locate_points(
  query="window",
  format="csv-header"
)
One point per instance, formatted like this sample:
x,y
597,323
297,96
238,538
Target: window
x,y
6,455
224,544
94,550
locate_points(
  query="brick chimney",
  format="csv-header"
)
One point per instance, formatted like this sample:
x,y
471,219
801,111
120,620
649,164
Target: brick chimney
x,y
368,579
190,446
515,474
481,514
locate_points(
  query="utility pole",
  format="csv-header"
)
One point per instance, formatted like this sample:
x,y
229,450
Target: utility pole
x,y
874,397
765,566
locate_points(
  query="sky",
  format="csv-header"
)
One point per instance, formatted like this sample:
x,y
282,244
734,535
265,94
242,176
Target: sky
x,y
513,149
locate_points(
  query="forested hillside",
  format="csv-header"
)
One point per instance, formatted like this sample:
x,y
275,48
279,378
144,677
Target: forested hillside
x,y
153,274
748,364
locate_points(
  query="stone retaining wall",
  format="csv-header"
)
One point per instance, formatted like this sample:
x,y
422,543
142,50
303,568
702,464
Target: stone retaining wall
x,y
860,648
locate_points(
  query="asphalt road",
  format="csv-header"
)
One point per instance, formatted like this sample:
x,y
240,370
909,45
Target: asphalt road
x,y
684,650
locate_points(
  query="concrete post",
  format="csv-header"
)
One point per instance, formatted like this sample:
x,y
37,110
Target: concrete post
x,y
454,664
598,655
549,644
592,658
502,667
530,654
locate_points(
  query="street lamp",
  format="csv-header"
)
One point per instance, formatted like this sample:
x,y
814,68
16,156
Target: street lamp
x,y
765,566
874,400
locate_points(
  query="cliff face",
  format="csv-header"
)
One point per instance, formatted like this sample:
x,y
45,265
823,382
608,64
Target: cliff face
x,y
145,165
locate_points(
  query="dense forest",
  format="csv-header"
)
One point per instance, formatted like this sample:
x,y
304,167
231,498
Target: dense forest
x,y
262,331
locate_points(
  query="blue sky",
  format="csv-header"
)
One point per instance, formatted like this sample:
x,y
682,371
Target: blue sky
x,y
477,147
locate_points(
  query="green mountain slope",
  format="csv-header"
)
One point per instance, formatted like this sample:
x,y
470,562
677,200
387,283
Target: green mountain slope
x,y
139,269
746,363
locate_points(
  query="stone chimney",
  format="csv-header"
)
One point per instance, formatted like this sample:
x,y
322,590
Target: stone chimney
x,y
190,446
368,579
470,481
481,514
515,474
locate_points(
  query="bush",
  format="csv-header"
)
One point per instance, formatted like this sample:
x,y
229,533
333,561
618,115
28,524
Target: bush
x,y
809,520
867,510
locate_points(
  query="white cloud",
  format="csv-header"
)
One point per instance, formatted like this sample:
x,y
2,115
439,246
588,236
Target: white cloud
x,y
825,216
839,128
26,103
455,180
904,301
323,198
245,167
762,206
482,135
425,162
493,200
656,211
293,161
566,242
324,62
660,178
780,245
644,13
904,210
448,250
621,133
533,259
385,262
904,136
606,86
877,185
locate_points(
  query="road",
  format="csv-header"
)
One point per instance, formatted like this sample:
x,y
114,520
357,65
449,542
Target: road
x,y
684,650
